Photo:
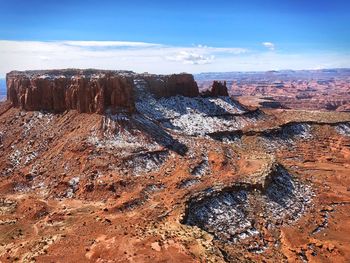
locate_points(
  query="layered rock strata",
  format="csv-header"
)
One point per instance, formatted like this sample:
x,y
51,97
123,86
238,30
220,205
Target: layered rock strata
x,y
57,91
91,91
172,85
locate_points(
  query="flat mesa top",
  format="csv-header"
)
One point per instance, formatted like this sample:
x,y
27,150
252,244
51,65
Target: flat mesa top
x,y
67,73
87,73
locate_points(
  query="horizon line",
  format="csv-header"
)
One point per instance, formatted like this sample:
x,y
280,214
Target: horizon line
x,y
204,72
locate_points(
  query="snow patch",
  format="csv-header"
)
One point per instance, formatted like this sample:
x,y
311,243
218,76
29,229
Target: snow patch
x,y
343,129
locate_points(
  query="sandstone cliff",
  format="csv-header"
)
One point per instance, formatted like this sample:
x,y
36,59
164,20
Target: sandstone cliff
x,y
172,85
81,90
91,91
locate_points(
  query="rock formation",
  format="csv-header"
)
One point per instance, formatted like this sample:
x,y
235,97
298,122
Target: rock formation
x,y
218,88
84,91
181,179
172,85
92,91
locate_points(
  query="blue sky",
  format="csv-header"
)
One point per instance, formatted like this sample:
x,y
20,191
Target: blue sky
x,y
188,35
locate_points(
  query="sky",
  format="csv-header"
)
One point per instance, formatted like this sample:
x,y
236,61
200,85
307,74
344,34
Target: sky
x,y
174,36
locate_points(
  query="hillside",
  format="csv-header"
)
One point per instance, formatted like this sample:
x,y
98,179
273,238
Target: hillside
x,y
162,171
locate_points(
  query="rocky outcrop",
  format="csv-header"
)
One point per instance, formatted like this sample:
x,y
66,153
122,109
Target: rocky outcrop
x,y
172,85
89,91
218,88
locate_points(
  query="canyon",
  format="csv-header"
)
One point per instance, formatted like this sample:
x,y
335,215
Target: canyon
x,y
116,166
327,89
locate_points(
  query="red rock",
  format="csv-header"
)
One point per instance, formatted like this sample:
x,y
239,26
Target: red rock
x,y
304,90
82,91
92,91
172,85
74,145
218,89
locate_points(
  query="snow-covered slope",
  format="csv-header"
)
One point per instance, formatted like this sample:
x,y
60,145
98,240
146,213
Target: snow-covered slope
x,y
192,116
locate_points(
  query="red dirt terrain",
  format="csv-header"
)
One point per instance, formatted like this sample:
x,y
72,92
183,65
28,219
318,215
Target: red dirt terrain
x,y
188,177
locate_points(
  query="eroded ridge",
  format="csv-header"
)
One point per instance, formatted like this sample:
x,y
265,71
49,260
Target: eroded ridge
x,y
244,211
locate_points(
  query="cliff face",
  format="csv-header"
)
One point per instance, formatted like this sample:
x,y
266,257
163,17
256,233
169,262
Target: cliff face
x,y
92,91
59,91
172,85
219,89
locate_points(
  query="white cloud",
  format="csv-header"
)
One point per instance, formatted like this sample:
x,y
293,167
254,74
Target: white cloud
x,y
136,56
109,44
191,58
154,58
269,45
199,55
